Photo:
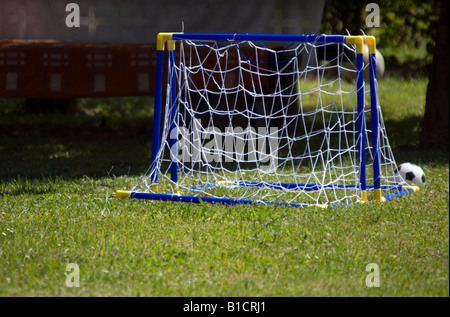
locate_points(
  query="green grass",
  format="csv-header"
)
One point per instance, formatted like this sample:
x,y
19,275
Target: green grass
x,y
57,206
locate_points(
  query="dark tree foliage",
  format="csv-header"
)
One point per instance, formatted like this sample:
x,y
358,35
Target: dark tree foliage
x,y
406,27
435,129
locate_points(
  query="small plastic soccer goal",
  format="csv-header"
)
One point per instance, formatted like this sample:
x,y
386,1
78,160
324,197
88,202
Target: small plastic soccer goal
x,y
268,119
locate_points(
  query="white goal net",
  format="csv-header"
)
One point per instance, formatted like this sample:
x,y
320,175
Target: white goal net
x,y
267,122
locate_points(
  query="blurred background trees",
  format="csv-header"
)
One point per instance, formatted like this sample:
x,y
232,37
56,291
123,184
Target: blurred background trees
x,y
413,37
406,36
435,129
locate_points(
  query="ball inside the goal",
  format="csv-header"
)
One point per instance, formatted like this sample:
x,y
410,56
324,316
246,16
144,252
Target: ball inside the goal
x,y
350,75
411,173
379,60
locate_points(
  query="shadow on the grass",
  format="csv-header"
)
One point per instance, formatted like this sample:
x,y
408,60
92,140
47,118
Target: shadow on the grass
x,y
43,151
40,151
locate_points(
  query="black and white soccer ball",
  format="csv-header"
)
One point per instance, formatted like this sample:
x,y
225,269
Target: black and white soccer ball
x,y
411,174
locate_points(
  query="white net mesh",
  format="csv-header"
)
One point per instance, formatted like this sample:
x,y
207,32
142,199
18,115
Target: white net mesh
x,y
264,122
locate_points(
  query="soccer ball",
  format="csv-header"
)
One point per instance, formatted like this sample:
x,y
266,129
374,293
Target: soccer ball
x,y
411,173
379,61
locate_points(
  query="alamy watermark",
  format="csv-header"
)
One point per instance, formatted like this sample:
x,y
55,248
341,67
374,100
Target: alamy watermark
x,y
211,144
73,18
73,278
373,18
373,278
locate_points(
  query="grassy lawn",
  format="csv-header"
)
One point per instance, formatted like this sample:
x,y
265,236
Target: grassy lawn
x,y
57,206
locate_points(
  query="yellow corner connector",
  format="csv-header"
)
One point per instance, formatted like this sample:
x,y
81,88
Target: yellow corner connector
x,y
372,44
164,38
378,196
175,188
358,41
363,196
154,188
323,206
123,194
414,188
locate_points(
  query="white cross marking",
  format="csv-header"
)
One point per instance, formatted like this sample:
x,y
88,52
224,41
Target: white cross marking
x,y
22,19
91,21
